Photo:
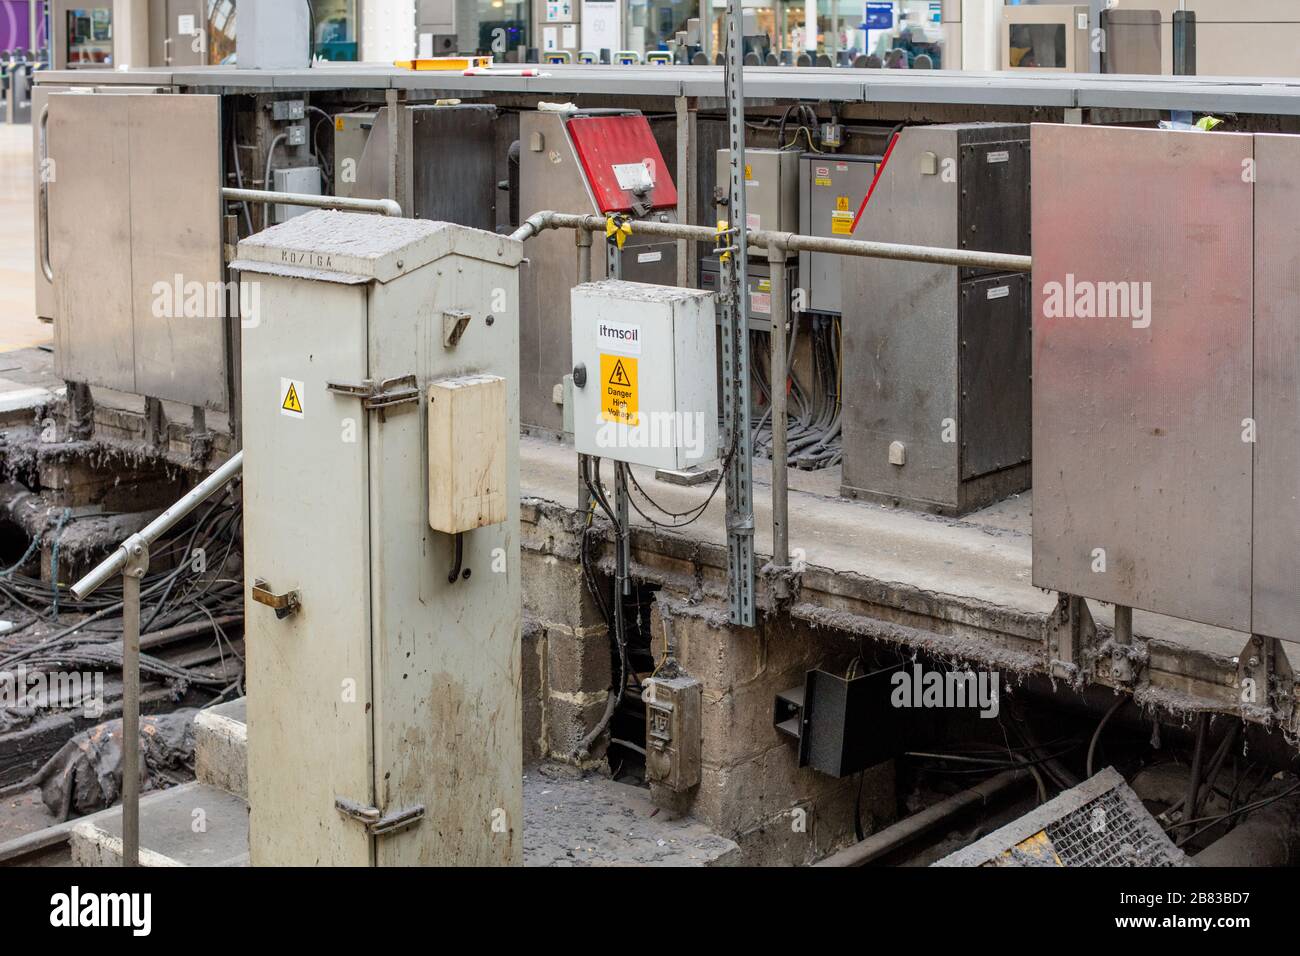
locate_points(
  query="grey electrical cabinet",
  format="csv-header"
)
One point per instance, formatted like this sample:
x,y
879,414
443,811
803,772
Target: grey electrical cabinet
x,y
771,188
381,514
936,358
831,191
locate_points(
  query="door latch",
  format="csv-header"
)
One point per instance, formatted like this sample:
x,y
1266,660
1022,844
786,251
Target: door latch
x,y
282,604
374,820
379,395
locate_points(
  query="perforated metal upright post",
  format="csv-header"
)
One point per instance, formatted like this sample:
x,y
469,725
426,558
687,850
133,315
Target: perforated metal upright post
x,y
735,342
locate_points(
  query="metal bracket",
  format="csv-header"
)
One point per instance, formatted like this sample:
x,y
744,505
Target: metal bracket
x,y
1071,636
454,323
375,820
378,396
1266,684
137,556
284,604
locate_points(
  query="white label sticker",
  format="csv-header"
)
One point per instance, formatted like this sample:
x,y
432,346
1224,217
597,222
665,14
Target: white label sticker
x,y
185,25
760,303
1000,156
618,337
291,397
633,176
649,256
753,221
999,292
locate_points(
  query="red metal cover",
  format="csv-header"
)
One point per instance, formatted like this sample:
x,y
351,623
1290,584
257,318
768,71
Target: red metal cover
x,y
609,148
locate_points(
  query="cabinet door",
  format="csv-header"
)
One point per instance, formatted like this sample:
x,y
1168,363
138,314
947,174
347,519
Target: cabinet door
x,y
306,527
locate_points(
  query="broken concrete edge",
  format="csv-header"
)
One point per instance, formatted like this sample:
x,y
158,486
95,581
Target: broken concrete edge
x,y
221,752
1176,679
92,846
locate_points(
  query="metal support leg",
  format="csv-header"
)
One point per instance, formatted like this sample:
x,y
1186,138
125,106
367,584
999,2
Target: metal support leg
x,y
137,562
780,489
735,342
1121,664
624,560
582,238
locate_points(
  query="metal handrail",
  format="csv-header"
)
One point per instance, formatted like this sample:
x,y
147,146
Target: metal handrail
x,y
131,560
385,207
778,246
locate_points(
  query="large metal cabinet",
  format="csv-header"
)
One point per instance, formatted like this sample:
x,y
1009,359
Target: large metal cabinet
x,y
393,686
1166,443
936,358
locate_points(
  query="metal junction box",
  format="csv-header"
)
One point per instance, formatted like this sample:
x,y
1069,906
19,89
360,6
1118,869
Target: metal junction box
x,y
771,188
595,161
644,374
759,286
673,731
1166,430
936,358
351,133
384,677
831,190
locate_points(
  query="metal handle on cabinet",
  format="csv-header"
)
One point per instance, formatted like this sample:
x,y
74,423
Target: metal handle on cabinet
x,y
283,604
43,206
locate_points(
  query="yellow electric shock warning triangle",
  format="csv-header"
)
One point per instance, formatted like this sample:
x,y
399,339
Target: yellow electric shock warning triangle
x,y
619,376
291,403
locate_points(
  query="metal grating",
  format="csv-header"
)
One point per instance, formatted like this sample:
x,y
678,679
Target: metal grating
x,y
1101,822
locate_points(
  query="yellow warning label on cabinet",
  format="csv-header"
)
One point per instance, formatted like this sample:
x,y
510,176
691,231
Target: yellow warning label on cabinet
x,y
842,203
620,398
291,398
749,172
823,181
842,223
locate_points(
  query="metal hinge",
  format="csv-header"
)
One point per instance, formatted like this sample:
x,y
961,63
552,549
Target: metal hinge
x,y
380,395
374,820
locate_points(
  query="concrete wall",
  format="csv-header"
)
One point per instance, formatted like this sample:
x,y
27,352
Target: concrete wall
x,y
751,789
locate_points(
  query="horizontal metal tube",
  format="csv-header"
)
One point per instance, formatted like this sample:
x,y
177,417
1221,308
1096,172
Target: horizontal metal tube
x,y
892,837
385,207
160,525
791,242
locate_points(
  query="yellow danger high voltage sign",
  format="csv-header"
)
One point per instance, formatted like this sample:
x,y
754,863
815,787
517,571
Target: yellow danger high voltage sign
x,y
619,395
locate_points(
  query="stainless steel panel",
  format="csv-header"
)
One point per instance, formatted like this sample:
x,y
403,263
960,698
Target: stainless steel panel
x,y
1138,450
994,373
90,239
175,229
1277,388
136,203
